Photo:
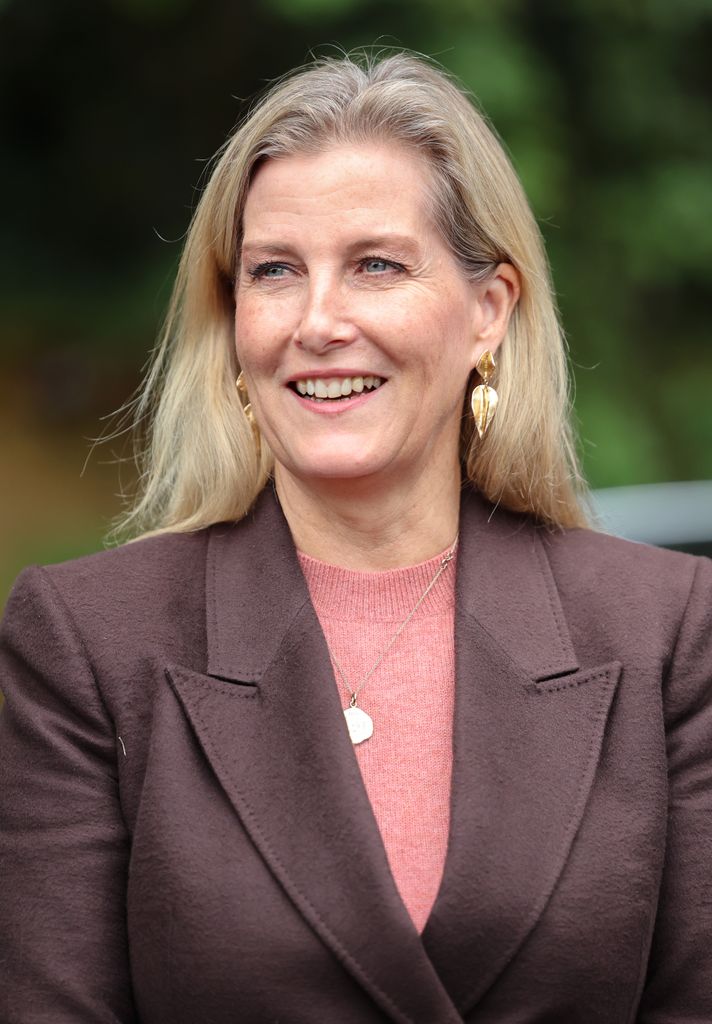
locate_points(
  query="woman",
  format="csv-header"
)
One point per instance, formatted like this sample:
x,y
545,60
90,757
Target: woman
x,y
369,726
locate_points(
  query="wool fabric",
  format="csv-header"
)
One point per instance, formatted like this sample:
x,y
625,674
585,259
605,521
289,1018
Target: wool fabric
x,y
406,765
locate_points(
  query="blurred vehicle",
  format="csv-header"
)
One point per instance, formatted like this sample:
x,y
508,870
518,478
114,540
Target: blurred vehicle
x,y
670,515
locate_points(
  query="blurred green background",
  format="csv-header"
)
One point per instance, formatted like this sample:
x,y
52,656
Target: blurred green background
x,y
111,109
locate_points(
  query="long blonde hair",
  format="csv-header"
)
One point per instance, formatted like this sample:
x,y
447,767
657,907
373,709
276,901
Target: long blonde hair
x,y
198,463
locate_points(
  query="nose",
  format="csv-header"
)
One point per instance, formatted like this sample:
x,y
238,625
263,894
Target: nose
x,y
325,321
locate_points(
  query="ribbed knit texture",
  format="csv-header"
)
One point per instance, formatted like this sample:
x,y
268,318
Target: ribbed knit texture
x,y
407,764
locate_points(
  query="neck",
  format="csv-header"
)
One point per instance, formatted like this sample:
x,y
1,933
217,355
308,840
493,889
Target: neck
x,y
359,524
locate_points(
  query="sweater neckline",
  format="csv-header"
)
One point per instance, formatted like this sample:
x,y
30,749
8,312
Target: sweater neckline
x,y
391,594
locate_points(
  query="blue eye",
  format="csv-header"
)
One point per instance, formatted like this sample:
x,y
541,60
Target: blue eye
x,y
375,265
268,270
378,264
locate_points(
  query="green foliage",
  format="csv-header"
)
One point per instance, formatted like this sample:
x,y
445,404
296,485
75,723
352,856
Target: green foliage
x,y
112,110
310,11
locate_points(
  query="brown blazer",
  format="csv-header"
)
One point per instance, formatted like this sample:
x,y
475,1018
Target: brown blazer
x,y
186,838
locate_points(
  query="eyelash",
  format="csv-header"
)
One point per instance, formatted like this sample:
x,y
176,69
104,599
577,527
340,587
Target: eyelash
x,y
259,271
391,264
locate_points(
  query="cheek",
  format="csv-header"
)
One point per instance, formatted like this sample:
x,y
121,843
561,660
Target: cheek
x,y
443,344
243,321
431,321
257,332
409,332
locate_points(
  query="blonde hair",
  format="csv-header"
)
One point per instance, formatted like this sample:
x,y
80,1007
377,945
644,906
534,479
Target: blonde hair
x,y
198,464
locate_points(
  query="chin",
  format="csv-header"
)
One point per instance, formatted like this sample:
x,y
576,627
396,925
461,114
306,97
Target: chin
x,y
336,470
336,465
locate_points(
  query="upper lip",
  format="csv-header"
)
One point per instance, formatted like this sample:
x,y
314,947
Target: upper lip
x,y
323,374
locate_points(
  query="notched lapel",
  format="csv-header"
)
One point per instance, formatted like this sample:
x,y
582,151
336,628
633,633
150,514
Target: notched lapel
x,y
281,752
526,746
529,727
287,766
526,754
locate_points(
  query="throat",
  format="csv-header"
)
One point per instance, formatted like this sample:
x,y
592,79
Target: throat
x,y
359,524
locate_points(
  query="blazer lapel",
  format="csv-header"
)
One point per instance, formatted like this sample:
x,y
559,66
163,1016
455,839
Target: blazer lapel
x,y
269,720
527,738
528,732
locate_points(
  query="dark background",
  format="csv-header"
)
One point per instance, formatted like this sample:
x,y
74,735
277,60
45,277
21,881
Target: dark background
x,y
111,110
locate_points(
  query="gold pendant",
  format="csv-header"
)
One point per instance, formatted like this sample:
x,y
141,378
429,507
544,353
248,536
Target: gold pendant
x,y
359,724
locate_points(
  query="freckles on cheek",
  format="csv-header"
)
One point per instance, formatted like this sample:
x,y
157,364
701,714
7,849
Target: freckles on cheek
x,y
404,323
249,324
243,322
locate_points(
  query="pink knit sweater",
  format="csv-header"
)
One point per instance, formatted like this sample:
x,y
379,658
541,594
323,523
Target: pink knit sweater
x,y
407,764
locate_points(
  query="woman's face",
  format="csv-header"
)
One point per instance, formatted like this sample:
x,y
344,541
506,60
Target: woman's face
x,y
355,326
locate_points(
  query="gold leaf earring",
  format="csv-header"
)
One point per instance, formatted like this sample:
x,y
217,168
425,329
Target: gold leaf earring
x,y
484,398
247,408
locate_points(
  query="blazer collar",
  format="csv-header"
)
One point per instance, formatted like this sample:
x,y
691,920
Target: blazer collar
x,y
503,580
525,751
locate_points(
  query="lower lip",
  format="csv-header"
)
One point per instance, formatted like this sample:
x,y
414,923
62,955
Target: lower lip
x,y
335,406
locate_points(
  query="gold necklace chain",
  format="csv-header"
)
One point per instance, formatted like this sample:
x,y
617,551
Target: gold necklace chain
x,y
359,723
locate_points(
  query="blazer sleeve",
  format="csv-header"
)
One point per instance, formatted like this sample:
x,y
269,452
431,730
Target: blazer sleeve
x,y
678,987
63,843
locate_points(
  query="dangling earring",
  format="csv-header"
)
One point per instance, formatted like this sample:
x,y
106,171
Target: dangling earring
x,y
247,408
484,398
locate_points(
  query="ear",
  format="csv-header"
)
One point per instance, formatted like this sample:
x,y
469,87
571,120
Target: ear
x,y
498,296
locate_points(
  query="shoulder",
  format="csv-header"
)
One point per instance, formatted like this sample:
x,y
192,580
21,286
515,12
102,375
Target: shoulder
x,y
617,596
164,556
146,571
640,593
587,558
117,602
588,566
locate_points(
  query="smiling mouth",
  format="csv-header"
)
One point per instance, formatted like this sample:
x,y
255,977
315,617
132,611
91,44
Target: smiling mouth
x,y
334,389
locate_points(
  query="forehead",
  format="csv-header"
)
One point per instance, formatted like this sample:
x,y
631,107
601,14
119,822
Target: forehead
x,y
372,186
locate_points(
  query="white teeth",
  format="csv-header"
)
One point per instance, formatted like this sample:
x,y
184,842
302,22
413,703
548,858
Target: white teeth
x,y
321,388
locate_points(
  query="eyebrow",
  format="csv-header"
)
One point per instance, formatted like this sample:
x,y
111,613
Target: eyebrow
x,y
396,244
